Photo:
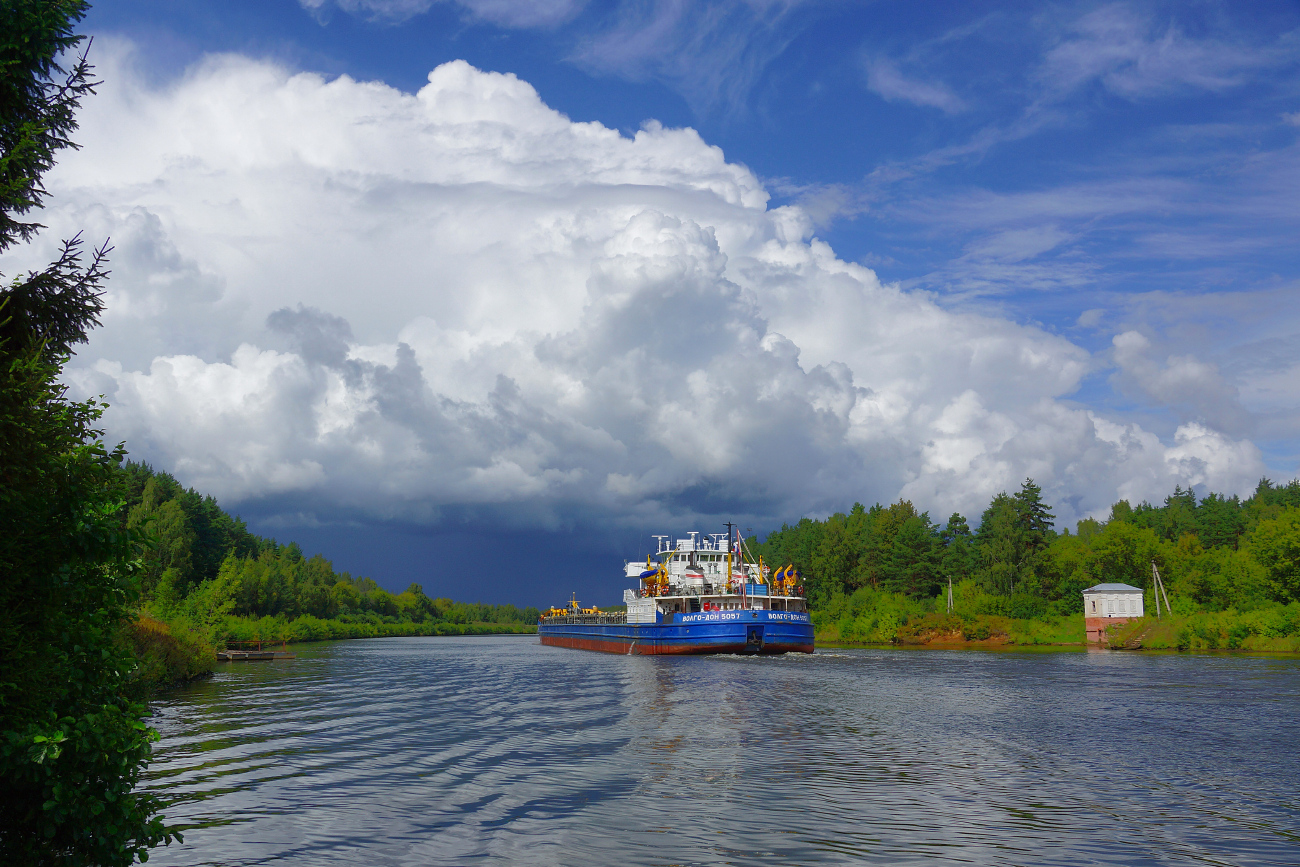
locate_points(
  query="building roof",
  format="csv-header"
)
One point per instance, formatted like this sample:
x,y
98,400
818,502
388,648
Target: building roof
x,y
1113,588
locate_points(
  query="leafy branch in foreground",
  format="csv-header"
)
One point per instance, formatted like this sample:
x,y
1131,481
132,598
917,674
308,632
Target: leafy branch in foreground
x,y
72,742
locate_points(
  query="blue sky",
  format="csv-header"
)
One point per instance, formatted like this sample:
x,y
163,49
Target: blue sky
x,y
1080,218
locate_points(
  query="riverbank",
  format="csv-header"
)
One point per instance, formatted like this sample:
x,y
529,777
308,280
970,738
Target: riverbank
x,y
948,630
1269,630
1272,630
167,655
308,628
170,654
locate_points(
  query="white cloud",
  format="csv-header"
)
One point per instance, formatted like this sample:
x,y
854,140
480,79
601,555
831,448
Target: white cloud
x,y
885,78
507,13
359,300
710,52
1133,56
1182,381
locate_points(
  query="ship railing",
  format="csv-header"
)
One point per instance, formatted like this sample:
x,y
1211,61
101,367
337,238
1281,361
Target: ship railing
x,y
586,619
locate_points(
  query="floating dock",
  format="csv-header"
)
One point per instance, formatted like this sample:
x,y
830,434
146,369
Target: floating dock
x,y
252,654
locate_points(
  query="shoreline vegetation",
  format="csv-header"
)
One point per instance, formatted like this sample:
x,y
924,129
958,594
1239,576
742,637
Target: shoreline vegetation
x,y
206,580
875,577
1273,631
881,576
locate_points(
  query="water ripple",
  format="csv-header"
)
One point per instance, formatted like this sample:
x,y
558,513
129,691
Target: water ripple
x,y
500,751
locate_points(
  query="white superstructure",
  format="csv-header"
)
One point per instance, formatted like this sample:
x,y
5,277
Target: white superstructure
x,y
707,572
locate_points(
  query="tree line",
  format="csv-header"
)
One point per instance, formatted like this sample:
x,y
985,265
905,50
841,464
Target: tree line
x,y
205,567
1214,553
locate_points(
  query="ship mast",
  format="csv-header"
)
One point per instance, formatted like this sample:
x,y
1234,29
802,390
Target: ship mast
x,y
729,573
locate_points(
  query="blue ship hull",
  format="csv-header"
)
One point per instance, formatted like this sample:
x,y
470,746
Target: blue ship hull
x,y
765,632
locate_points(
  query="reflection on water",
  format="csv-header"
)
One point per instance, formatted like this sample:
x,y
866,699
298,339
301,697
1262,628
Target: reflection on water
x,y
501,751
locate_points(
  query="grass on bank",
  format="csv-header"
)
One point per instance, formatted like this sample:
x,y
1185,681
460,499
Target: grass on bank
x,y
947,629
873,617
169,653
310,628
1274,628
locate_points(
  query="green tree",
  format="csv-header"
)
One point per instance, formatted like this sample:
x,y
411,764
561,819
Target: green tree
x,y
1178,516
1121,511
1087,528
1219,521
1035,518
1064,568
1275,544
172,534
874,535
1219,578
72,744
834,560
958,553
1001,545
913,558
1122,553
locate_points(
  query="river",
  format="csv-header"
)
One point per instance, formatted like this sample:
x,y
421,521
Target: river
x,y
496,750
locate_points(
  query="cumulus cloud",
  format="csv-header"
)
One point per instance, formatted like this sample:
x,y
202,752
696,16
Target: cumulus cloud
x,y
460,301
1181,381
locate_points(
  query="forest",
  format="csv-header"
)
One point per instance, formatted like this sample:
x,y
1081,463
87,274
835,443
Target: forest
x,y
204,576
881,574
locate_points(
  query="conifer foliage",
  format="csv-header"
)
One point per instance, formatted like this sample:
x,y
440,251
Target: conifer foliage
x,y
72,744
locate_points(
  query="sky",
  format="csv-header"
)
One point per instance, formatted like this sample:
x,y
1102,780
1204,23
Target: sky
x,y
483,294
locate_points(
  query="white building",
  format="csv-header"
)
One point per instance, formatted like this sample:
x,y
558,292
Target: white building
x,y
1112,600
1106,605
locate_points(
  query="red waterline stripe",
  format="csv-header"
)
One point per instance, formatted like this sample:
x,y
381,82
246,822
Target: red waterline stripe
x,y
653,649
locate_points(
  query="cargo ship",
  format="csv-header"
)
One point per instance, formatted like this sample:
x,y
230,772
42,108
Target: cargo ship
x,y
701,594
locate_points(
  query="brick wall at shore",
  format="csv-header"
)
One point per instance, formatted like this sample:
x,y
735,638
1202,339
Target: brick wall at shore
x,y
1096,627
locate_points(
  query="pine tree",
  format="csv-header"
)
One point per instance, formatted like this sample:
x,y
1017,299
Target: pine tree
x,y
1001,540
1220,521
72,743
957,558
1036,520
912,561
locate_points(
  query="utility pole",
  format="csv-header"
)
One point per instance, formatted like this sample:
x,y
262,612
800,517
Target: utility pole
x,y
1160,590
1155,587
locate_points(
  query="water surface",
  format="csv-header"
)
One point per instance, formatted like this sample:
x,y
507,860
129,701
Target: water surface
x,y
497,750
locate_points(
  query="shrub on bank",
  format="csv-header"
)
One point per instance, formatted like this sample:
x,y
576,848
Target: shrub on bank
x,y
309,628
870,616
1047,631
167,654
1271,628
